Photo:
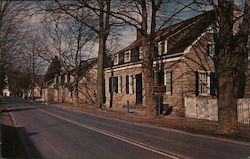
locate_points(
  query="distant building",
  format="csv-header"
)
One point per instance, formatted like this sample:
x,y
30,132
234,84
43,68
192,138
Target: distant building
x,y
6,89
37,91
62,89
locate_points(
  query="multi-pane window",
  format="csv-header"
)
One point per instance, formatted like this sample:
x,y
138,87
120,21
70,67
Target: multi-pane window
x,y
211,49
203,83
116,59
127,56
140,53
168,81
129,84
162,47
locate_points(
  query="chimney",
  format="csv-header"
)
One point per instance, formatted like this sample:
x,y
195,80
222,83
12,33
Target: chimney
x,y
138,34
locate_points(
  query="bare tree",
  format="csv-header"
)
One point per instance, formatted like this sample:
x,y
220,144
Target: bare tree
x,y
12,19
69,39
96,18
232,59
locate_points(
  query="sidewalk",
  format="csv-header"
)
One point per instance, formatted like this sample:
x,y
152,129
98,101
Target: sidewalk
x,y
185,124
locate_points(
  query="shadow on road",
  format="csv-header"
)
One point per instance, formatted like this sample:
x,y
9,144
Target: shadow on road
x,y
15,146
16,110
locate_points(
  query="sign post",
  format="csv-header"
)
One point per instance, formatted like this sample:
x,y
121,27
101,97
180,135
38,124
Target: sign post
x,y
159,91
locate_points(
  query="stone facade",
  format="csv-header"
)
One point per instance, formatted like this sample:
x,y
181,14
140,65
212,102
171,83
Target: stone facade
x,y
180,67
62,88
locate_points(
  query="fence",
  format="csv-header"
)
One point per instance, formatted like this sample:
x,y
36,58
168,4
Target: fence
x,y
206,108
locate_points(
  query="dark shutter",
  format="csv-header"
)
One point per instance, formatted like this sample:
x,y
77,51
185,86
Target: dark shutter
x,y
127,84
213,84
197,83
110,84
135,54
115,86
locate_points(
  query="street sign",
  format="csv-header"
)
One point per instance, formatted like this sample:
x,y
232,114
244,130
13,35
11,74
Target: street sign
x,y
159,89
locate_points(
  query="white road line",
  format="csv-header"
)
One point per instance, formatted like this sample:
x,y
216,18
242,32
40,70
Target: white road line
x,y
121,138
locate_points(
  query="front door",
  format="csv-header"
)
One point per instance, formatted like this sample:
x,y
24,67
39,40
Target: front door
x,y
138,78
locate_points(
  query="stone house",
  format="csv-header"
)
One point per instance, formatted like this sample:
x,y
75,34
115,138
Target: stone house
x,y
37,91
62,89
184,64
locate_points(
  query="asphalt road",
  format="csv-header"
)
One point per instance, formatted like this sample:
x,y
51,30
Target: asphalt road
x,y
59,134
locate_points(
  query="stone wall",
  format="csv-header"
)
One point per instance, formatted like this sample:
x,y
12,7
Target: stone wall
x,y
120,99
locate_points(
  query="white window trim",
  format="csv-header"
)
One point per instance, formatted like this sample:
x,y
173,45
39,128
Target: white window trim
x,y
208,83
160,43
140,53
165,81
129,56
211,44
65,78
116,59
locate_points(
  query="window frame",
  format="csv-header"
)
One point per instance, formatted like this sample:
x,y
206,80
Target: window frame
x,y
162,47
140,53
127,53
168,72
211,46
116,59
202,83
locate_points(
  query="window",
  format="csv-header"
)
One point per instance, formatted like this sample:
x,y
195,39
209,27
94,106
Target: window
x,y
203,83
140,53
158,77
162,47
59,79
116,59
65,78
127,56
115,84
71,78
120,84
62,79
130,84
168,81
127,84
211,49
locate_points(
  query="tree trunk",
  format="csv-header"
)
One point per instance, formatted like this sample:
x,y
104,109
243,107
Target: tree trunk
x,y
148,80
103,34
227,74
100,74
227,99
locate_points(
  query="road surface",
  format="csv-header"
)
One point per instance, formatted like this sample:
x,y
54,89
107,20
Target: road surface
x,y
61,134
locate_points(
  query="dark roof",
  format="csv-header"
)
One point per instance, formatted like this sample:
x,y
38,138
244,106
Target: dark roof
x,y
179,41
84,66
180,35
